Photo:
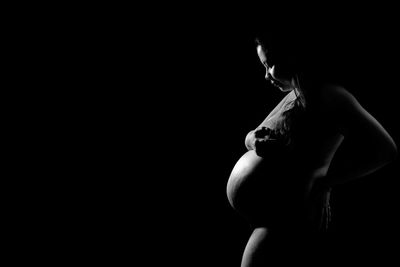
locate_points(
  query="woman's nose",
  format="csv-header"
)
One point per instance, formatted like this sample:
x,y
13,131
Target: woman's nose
x,y
269,73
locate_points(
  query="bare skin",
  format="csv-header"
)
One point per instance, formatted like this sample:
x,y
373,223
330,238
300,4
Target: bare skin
x,y
338,122
321,145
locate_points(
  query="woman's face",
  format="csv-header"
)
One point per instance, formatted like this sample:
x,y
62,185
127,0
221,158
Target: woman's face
x,y
273,73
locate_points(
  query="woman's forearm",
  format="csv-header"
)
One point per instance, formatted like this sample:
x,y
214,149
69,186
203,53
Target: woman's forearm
x,y
354,160
366,146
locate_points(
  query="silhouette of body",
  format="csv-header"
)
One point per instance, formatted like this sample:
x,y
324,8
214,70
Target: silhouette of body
x,y
282,184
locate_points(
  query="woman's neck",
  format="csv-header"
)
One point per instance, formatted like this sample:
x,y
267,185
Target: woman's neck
x,y
298,91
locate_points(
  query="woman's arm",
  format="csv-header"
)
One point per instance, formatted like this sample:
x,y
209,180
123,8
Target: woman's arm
x,y
366,147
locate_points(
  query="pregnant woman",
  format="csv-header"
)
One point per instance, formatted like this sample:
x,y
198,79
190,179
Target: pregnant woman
x,y
309,143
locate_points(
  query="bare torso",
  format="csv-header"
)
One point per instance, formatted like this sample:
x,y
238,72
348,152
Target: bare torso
x,y
262,189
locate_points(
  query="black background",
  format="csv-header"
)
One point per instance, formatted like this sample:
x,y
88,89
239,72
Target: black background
x,y
142,118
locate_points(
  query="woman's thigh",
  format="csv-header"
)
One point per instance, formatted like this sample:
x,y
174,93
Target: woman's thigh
x,y
277,248
256,251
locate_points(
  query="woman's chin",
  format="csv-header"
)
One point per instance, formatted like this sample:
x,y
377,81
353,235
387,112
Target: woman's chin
x,y
284,89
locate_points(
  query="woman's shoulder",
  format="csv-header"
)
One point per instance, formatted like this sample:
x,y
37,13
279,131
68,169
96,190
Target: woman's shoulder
x,y
334,90
341,107
334,96
328,100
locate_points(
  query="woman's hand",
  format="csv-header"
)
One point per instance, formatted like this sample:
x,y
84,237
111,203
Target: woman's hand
x,y
262,132
320,209
266,143
257,137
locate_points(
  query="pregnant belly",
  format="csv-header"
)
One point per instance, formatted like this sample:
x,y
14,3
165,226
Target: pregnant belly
x,y
262,188
248,168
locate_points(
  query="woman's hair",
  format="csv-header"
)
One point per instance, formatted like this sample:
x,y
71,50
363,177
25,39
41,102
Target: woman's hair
x,y
303,54
298,53
307,54
298,56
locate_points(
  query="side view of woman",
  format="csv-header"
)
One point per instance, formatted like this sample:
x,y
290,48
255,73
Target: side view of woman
x,y
318,136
